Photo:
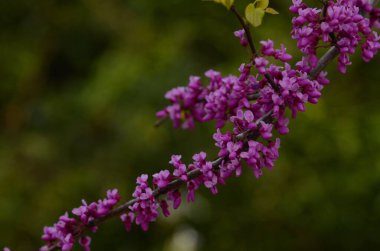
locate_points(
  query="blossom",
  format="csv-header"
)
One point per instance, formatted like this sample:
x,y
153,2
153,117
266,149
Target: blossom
x,y
243,120
209,176
146,205
179,167
175,197
85,242
266,130
242,37
127,219
162,178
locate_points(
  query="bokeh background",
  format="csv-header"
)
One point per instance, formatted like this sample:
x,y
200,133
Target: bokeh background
x,y
81,81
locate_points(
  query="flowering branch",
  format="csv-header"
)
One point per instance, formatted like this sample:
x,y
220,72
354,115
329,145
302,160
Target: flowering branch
x,y
274,89
193,174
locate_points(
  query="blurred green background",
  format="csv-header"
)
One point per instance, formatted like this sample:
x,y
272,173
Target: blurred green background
x,y
80,84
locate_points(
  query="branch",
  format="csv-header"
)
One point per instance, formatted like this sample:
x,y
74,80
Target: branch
x,y
175,184
332,53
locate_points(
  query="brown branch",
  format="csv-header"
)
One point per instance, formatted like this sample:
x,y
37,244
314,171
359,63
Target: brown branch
x,y
332,53
159,122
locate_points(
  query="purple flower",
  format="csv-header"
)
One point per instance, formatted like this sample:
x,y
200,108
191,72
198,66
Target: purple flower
x,y
221,141
243,121
266,130
179,167
253,157
267,48
241,35
127,219
282,125
191,188
85,243
145,208
270,153
209,176
229,167
261,63
165,208
175,197
370,47
233,149
161,179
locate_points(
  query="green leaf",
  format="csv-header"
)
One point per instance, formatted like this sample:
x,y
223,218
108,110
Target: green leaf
x,y
262,4
254,15
271,11
227,3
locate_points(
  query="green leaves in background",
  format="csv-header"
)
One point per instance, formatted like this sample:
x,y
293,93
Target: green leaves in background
x,y
255,12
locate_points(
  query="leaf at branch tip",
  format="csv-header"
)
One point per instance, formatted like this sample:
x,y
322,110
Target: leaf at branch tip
x,y
263,4
271,11
254,15
226,3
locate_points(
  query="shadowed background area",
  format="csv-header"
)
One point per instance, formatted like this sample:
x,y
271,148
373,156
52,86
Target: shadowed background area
x,y
80,84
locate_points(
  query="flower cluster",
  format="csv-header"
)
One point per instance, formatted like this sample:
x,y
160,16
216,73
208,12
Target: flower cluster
x,y
216,102
225,97
64,233
341,23
147,202
145,208
258,155
186,106
242,37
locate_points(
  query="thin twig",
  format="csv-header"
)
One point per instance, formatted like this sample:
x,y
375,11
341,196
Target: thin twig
x,y
247,31
159,122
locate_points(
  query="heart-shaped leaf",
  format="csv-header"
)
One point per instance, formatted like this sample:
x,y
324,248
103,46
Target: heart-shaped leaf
x,y
263,4
254,15
227,3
